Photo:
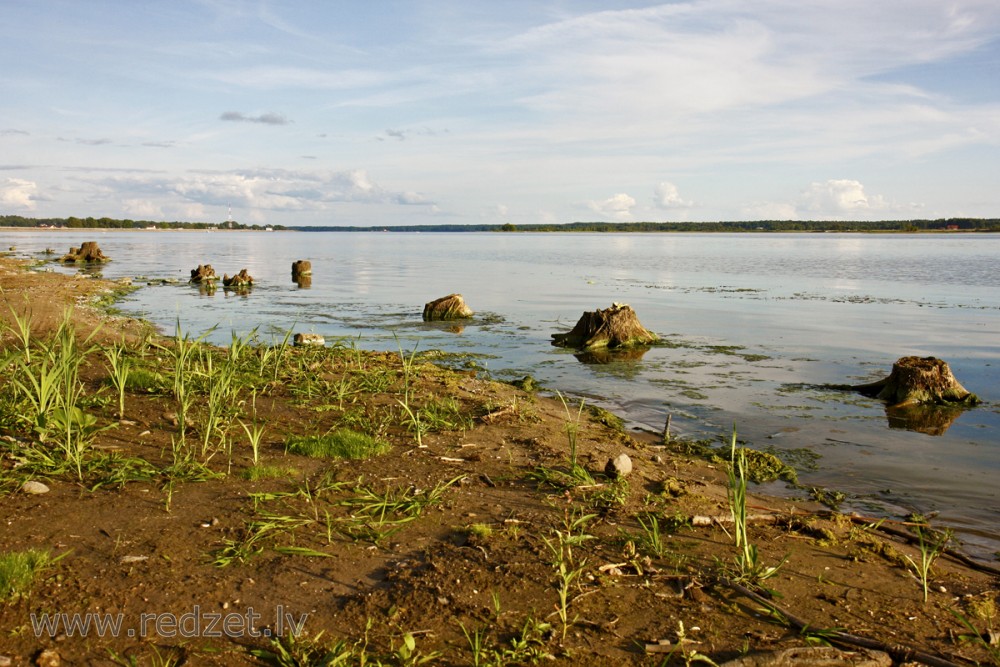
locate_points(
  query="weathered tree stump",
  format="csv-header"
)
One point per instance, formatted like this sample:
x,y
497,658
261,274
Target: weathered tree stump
x,y
451,307
88,252
240,280
300,268
617,326
203,274
919,380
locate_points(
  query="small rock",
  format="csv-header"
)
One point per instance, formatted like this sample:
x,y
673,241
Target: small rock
x,y
620,466
6,661
48,658
125,560
301,339
34,488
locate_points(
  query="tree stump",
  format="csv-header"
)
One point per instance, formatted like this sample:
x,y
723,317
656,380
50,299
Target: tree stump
x,y
451,307
240,280
300,268
204,273
88,252
617,326
919,380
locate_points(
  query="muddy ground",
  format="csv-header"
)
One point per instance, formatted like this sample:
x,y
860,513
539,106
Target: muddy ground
x,y
470,539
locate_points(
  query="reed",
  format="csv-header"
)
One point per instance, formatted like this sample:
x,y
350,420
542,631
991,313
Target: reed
x,y
120,368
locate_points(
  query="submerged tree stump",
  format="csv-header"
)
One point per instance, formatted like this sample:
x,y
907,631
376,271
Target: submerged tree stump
x,y
240,280
88,252
451,307
919,380
617,326
300,268
203,274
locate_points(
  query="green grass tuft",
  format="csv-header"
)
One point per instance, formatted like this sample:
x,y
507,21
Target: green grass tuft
x,y
340,444
18,570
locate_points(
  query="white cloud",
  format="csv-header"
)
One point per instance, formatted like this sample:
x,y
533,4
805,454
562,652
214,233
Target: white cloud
x,y
666,196
254,189
840,198
141,209
618,208
18,193
833,199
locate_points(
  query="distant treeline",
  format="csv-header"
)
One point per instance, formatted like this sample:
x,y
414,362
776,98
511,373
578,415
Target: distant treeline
x,y
957,224
111,223
944,224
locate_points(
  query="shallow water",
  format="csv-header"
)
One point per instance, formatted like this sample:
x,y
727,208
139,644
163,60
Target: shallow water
x,y
753,323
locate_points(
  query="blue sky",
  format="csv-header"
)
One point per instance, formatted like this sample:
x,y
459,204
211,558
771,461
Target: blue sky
x,y
384,112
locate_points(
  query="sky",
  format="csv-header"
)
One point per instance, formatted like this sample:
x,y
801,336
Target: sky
x,y
391,112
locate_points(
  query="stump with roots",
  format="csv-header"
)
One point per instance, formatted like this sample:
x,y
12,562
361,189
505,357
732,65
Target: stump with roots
x,y
451,307
614,327
203,274
919,381
88,252
241,280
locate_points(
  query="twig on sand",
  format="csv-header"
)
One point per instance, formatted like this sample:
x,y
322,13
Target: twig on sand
x,y
898,652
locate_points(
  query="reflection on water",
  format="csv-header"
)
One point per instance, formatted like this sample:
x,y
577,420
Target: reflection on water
x,y
749,323
604,355
929,419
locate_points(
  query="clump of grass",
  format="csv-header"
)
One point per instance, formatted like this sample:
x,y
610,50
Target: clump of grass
x,y
749,568
342,443
18,570
932,544
480,530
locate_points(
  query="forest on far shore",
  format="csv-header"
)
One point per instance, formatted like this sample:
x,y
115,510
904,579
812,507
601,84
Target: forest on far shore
x,y
939,225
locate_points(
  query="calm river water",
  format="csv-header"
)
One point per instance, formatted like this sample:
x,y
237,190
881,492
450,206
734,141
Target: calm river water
x,y
754,323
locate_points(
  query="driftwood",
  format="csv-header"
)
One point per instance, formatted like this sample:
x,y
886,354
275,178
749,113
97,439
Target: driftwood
x,y
451,307
612,327
918,381
898,652
88,252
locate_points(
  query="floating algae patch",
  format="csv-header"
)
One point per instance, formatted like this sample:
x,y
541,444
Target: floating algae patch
x,y
799,458
686,363
734,351
694,395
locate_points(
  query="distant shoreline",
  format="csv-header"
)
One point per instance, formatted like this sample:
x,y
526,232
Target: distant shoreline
x,y
417,230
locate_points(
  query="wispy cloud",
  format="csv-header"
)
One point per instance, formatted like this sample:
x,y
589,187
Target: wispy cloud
x,y
269,118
